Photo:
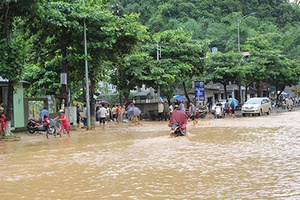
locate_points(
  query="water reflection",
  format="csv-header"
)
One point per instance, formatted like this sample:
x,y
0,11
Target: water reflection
x,y
142,162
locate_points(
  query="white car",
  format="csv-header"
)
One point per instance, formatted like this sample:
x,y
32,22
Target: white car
x,y
257,105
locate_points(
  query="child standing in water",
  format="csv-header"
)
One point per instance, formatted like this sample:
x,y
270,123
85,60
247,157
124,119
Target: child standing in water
x,y
64,121
2,122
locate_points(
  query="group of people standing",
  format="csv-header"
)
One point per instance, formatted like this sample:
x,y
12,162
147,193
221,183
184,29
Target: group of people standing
x,y
228,110
165,111
116,113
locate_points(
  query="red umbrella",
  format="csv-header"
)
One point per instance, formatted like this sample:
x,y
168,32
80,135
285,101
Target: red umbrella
x,y
127,103
104,102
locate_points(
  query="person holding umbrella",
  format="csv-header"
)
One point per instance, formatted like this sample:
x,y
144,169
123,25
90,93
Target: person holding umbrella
x,y
134,113
232,104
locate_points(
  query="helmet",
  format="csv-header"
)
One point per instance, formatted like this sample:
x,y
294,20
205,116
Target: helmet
x,y
61,110
176,107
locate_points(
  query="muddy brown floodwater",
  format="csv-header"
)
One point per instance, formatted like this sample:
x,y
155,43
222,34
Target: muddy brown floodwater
x,y
240,158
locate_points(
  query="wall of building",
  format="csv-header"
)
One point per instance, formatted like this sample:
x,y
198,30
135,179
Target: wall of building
x,y
18,106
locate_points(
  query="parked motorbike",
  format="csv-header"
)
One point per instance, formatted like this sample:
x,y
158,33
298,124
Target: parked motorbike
x,y
201,114
176,131
48,126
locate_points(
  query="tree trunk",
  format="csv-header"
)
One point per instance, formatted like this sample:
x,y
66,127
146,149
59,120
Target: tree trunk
x,y
186,94
246,92
240,94
92,103
9,110
125,95
225,89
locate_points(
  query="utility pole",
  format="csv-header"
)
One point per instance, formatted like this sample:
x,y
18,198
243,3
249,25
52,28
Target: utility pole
x,y
158,56
86,78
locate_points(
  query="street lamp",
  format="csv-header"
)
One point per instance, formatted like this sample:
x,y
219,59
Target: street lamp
x,y
239,21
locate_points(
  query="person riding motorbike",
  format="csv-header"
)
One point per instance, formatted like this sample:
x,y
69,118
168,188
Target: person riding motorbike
x,y
219,110
178,117
44,113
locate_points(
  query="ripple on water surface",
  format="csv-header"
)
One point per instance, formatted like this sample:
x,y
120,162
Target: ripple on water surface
x,y
217,163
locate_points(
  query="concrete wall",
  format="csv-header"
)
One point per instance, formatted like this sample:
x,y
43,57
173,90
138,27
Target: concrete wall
x,y
18,106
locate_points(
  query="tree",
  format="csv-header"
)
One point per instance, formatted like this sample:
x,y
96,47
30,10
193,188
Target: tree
x,y
291,42
222,68
15,46
285,73
267,64
58,27
181,57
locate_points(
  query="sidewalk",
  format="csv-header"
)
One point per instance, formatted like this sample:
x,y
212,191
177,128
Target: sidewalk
x,y
238,113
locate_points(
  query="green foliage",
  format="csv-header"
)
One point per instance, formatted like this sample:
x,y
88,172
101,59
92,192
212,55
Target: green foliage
x,y
43,81
222,67
121,50
268,64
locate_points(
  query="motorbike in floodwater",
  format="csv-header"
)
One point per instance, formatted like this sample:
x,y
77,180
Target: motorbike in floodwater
x,y
49,126
201,114
176,131
219,112
178,122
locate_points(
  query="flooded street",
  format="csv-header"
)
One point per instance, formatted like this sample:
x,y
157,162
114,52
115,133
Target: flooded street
x,y
240,158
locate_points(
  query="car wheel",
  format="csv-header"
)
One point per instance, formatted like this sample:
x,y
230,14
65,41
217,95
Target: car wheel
x,y
260,113
269,112
244,114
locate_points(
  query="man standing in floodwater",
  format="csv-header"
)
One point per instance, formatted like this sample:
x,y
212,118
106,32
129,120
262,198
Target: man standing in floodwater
x,y
84,115
181,107
160,111
166,111
102,114
192,111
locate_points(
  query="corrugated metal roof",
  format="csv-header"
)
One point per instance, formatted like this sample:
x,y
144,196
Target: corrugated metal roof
x,y
141,94
6,81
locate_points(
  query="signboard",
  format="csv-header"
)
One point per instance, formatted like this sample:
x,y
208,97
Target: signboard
x,y
199,90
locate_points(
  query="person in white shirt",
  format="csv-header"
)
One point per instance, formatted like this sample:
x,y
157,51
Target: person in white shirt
x,y
114,113
171,109
102,115
160,111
